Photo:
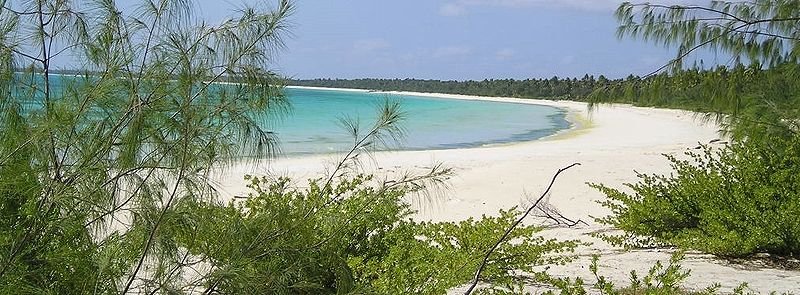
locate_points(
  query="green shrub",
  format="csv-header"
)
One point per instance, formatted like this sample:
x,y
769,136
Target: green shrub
x,y
735,201
285,241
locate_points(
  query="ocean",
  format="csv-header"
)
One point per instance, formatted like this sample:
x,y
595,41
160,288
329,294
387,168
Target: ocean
x,y
430,123
312,124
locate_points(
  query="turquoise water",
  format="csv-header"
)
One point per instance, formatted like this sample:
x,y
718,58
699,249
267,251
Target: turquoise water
x,y
312,126
430,123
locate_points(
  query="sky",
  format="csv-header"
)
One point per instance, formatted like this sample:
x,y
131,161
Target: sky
x,y
458,39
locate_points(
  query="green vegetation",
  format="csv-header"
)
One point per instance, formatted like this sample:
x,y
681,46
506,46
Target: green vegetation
x,y
553,88
281,240
105,175
732,201
92,167
730,91
742,198
660,280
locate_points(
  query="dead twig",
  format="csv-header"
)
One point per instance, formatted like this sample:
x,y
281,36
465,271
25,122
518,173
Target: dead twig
x,y
550,213
511,228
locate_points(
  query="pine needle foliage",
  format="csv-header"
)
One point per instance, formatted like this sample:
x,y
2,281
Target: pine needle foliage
x,y
763,31
745,100
93,162
104,171
762,38
740,198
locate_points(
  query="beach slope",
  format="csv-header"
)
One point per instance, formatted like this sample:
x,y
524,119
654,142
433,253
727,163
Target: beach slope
x,y
611,143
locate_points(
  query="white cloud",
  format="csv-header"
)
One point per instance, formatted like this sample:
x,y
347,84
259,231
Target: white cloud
x,y
591,5
568,60
651,61
505,54
451,51
370,45
452,9
580,4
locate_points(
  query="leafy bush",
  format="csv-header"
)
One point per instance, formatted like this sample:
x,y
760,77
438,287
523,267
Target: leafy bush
x,y
349,238
738,200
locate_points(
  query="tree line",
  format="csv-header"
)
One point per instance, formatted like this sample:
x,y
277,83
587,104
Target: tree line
x,y
553,88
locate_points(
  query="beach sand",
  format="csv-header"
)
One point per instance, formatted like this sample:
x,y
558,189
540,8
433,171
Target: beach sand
x,y
610,142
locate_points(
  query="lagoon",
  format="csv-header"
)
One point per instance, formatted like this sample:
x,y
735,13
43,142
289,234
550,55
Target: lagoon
x,y
312,123
430,123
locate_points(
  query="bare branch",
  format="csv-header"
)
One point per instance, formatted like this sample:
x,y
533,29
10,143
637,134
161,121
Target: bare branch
x,y
551,214
511,228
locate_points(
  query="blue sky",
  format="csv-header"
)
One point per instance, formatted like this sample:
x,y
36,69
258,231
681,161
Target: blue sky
x,y
458,39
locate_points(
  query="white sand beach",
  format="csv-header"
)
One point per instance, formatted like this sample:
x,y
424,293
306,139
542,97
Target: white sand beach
x,y
609,143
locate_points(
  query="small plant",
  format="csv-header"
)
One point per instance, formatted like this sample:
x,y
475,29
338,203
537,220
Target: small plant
x,y
660,280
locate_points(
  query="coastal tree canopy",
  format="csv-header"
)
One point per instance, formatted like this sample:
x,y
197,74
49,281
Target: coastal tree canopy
x,y
764,31
739,199
105,173
93,164
757,87
106,169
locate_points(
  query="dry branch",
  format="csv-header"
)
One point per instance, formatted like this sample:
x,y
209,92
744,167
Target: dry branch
x,y
511,228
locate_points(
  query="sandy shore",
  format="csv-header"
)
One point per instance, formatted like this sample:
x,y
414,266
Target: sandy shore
x,y
609,142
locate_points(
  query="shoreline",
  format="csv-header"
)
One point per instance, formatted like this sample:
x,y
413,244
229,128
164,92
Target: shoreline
x,y
612,144
574,116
